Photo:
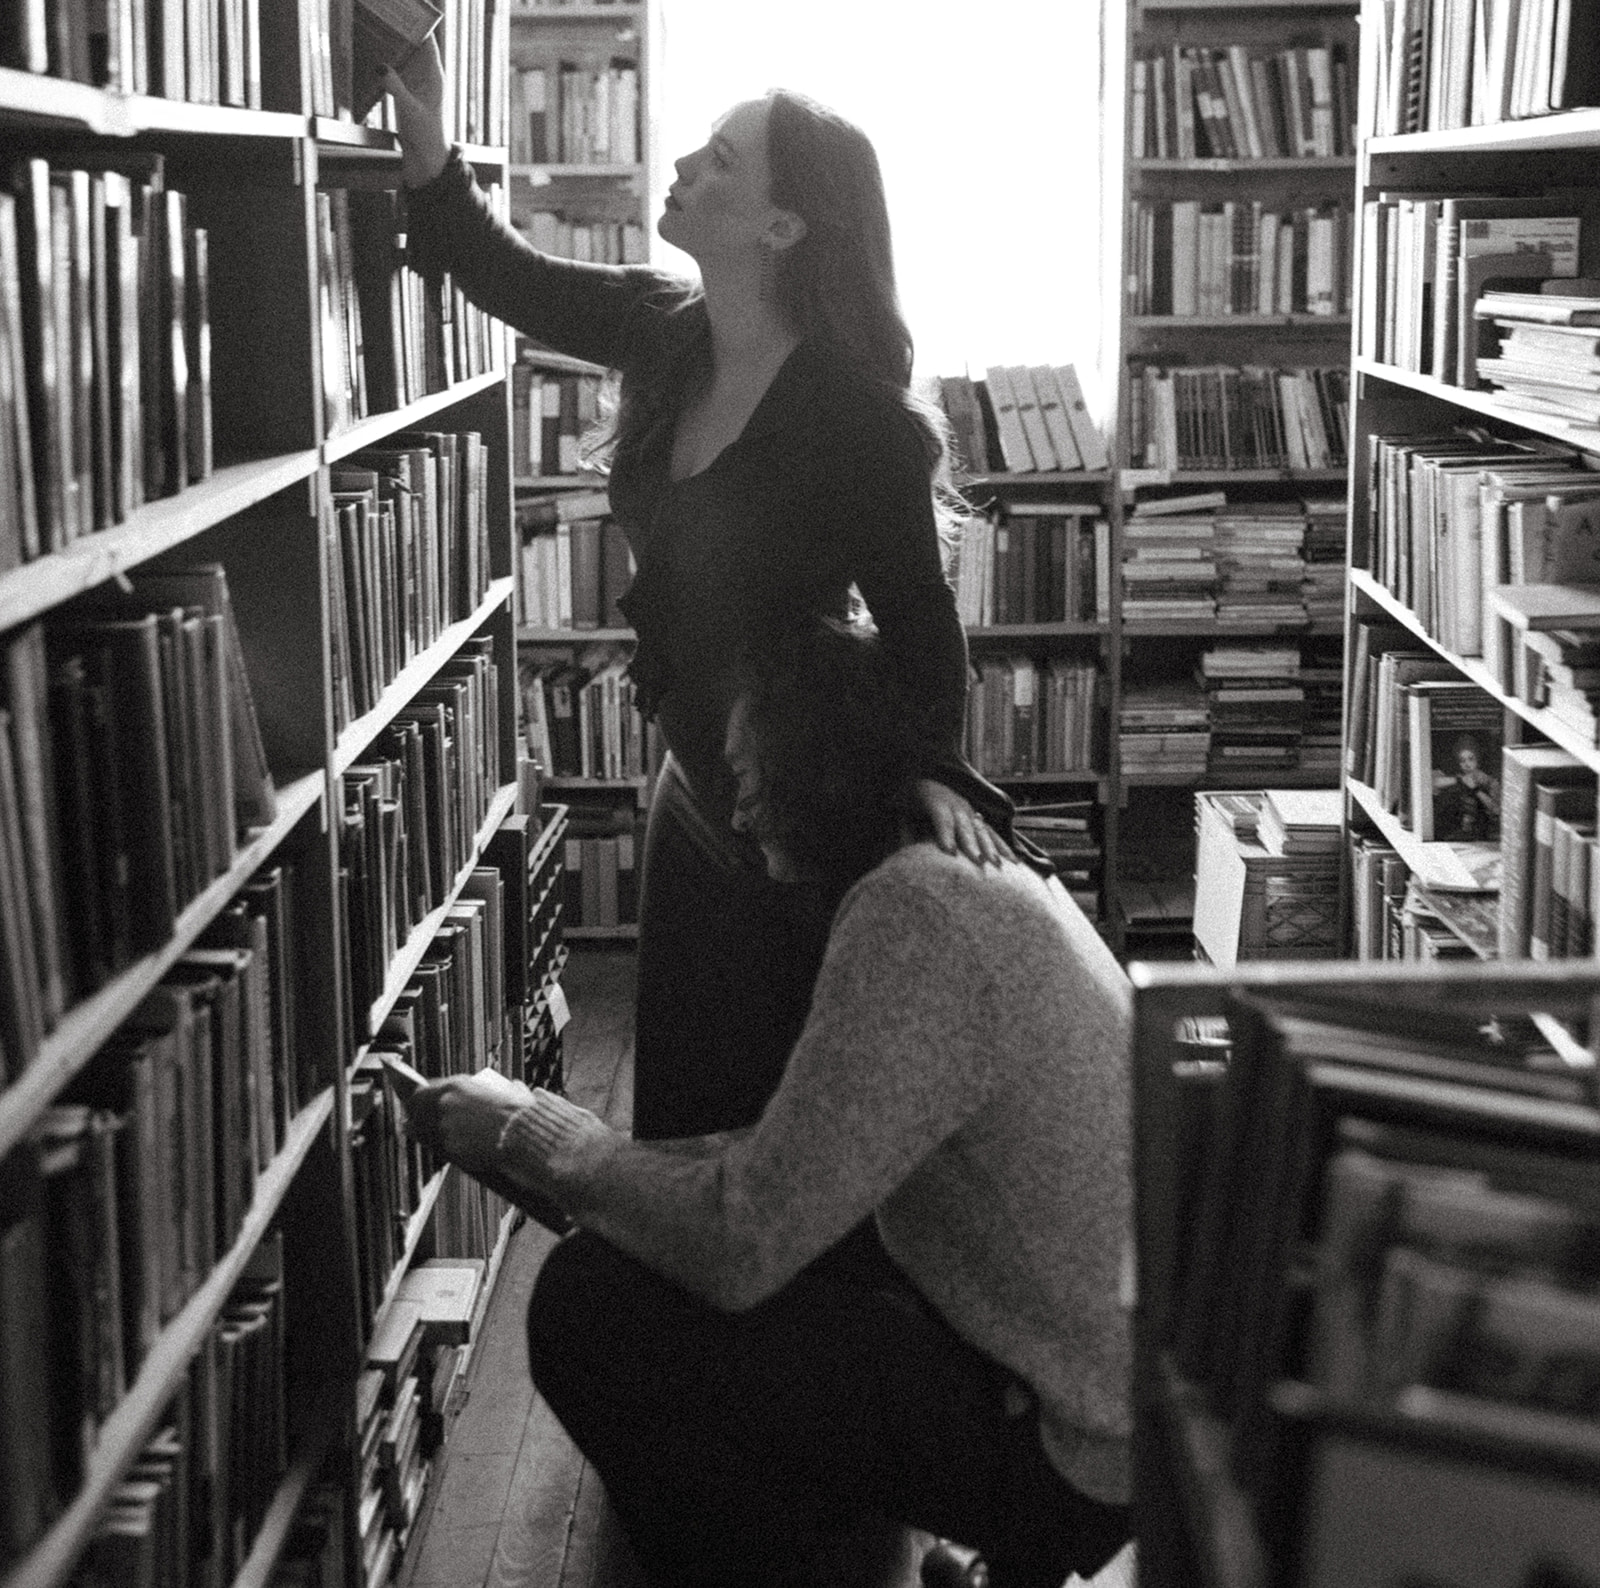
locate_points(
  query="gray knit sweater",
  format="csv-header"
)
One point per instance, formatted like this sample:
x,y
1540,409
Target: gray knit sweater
x,y
963,1072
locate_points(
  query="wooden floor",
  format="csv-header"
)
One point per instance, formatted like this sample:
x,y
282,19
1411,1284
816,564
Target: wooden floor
x,y
515,1505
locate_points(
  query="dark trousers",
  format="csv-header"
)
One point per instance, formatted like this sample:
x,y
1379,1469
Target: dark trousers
x,y
735,1447
727,962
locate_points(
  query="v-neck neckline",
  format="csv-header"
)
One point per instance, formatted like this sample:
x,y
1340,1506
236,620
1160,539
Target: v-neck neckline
x,y
757,424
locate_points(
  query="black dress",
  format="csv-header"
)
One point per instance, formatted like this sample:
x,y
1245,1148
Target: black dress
x,y
825,488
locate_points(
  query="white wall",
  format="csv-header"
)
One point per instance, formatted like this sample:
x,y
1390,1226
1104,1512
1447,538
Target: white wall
x,y
985,115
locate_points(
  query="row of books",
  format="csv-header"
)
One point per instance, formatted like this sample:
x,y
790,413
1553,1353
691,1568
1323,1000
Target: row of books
x,y
575,112
137,1181
582,717
1026,717
411,811
315,57
389,336
1242,104
205,51
1066,831
1022,419
1221,417
1430,259
193,1501
601,242
1543,349
1240,257
575,563
1455,64
1195,558
408,532
1375,1307
1454,518
1247,709
550,414
600,879
1424,739
130,766
105,372
414,1368
1033,562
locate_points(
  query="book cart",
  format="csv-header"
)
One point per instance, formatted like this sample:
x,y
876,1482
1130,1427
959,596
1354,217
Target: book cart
x,y
577,199
1199,301
329,1220
1350,1280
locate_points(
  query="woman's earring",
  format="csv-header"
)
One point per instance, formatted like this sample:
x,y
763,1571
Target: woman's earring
x,y
769,275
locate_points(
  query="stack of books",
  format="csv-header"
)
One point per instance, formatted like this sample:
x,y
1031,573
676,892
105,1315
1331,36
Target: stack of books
x,y
1267,875
1549,355
1169,567
1064,830
1322,731
1301,821
1256,707
1164,728
1323,590
1261,568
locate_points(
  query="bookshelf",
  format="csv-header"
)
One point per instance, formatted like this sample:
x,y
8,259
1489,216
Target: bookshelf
x,y
272,502
1513,151
580,202
1229,236
1231,1439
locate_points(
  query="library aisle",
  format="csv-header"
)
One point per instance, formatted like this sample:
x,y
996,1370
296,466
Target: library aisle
x,y
517,1506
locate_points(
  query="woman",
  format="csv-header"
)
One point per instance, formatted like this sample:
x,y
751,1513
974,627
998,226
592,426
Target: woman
x,y
767,456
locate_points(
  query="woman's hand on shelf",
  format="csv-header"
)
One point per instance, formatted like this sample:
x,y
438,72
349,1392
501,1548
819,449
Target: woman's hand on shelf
x,y
418,94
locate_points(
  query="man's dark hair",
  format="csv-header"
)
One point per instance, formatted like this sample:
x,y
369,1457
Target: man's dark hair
x,y
835,751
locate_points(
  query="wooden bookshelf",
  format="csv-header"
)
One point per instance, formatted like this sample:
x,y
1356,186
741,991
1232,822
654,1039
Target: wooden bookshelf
x,y
1142,326
255,180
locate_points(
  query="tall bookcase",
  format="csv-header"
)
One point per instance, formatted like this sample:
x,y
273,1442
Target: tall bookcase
x,y
259,182
1189,285
583,203
1403,405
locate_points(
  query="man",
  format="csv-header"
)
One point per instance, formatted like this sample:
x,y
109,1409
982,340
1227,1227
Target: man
x,y
750,1372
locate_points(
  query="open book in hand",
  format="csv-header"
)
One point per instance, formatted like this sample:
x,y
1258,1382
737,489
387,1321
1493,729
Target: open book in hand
x,y
385,33
406,1082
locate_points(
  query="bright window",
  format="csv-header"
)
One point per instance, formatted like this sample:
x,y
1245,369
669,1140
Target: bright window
x,y
986,119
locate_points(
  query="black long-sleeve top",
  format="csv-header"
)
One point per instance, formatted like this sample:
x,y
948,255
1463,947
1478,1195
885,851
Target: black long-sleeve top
x,y
826,486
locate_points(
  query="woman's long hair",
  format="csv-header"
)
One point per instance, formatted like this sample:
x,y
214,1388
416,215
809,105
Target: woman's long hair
x,y
834,287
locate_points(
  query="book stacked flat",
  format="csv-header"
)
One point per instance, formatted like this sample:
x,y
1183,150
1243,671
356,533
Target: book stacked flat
x,y
1064,830
1549,355
1164,728
1169,566
1267,875
1255,704
1261,567
1324,587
